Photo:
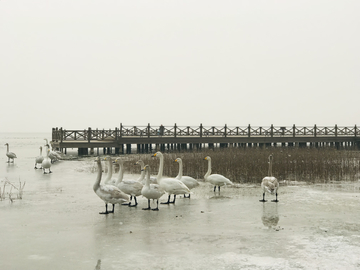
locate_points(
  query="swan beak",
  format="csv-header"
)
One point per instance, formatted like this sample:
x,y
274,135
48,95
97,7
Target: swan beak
x,y
154,155
176,160
205,158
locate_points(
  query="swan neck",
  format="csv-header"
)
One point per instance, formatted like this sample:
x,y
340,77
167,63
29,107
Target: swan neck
x,y
110,171
161,168
270,168
180,174
147,179
7,148
209,170
142,174
121,173
98,177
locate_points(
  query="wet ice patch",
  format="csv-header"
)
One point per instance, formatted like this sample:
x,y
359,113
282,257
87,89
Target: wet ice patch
x,y
38,257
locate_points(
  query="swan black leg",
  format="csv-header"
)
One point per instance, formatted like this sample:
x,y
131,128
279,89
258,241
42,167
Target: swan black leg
x,y
106,210
174,199
214,188
168,201
157,206
35,167
135,202
263,200
276,200
148,208
129,203
219,188
112,211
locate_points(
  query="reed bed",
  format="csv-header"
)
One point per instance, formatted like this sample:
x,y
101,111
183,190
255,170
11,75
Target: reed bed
x,y
250,165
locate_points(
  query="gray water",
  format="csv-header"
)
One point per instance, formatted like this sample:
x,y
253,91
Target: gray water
x,y
57,224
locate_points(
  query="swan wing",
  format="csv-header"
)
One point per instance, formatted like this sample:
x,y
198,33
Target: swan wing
x,y
189,182
174,186
218,179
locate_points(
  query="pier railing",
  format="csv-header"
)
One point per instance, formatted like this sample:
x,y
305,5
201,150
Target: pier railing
x,y
60,134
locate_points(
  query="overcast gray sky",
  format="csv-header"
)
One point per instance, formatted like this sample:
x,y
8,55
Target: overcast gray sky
x,y
82,63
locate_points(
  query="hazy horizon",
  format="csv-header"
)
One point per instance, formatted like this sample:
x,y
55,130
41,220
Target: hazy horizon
x,y
80,64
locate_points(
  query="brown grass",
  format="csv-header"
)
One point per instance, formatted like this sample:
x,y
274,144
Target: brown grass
x,y
250,165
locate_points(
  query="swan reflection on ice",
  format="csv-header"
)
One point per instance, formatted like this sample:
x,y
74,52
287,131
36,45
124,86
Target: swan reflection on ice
x,y
270,216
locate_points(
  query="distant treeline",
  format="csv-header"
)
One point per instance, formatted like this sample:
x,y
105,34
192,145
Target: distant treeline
x,y
250,165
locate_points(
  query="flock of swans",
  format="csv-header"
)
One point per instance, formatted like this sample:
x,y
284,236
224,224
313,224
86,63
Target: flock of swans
x,y
117,191
44,161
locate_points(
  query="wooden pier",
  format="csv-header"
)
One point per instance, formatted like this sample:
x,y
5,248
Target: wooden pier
x,y
149,139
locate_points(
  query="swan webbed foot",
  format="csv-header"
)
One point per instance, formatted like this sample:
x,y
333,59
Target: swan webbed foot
x,y
262,200
275,200
155,209
128,204
146,208
168,201
106,210
133,205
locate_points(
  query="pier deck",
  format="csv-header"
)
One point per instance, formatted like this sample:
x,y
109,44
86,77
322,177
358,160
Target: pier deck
x,y
176,137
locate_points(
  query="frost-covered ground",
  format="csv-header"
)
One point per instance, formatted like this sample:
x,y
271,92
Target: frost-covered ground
x,y
57,226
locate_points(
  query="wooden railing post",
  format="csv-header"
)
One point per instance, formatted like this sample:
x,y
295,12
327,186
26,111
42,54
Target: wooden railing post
x,y
315,133
53,134
336,130
148,130
89,134
201,130
225,130
249,131
61,134
121,130
294,130
272,130
175,133
116,133
355,131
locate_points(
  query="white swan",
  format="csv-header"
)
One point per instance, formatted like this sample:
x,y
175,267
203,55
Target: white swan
x,y
187,180
10,155
53,155
142,173
39,159
215,179
108,193
46,163
269,183
151,191
170,185
130,187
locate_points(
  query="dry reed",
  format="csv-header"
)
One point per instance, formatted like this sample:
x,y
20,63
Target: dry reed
x,y
250,165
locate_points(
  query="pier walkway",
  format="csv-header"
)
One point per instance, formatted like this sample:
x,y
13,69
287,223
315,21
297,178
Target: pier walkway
x,y
148,138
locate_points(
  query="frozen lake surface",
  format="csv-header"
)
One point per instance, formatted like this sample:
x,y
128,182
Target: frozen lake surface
x,y
57,225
